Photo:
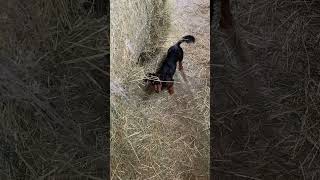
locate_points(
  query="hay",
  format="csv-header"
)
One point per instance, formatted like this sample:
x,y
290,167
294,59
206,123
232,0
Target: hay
x,y
157,136
52,109
272,120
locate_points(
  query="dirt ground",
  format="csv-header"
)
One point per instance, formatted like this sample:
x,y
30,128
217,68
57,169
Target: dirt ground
x,y
187,112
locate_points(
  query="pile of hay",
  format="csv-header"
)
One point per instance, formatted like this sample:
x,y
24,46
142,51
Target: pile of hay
x,y
274,134
53,57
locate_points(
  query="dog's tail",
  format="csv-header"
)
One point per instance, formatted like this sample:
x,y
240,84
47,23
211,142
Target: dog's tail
x,y
187,39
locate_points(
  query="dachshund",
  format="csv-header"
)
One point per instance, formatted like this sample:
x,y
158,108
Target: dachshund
x,y
163,78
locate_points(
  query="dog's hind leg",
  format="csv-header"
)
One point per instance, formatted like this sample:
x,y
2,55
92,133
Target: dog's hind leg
x,y
180,66
170,88
180,61
158,87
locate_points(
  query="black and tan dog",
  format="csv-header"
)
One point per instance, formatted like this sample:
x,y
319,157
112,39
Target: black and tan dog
x,y
163,78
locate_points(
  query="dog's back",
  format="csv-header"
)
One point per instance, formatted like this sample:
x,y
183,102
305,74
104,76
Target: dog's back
x,y
174,55
168,66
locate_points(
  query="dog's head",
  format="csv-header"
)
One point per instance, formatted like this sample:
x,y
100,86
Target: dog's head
x,y
152,81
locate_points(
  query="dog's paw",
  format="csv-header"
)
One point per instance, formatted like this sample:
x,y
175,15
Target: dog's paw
x,y
171,90
180,68
157,88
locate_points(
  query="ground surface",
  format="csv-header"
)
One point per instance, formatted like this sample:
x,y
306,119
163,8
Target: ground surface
x,y
187,112
167,137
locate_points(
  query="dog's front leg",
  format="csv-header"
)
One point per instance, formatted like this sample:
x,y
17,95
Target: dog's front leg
x,y
170,88
180,66
158,87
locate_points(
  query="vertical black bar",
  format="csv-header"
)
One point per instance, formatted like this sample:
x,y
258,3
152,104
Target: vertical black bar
x,y
108,174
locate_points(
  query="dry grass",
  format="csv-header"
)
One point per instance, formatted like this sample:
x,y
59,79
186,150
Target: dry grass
x,y
275,133
52,110
156,136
